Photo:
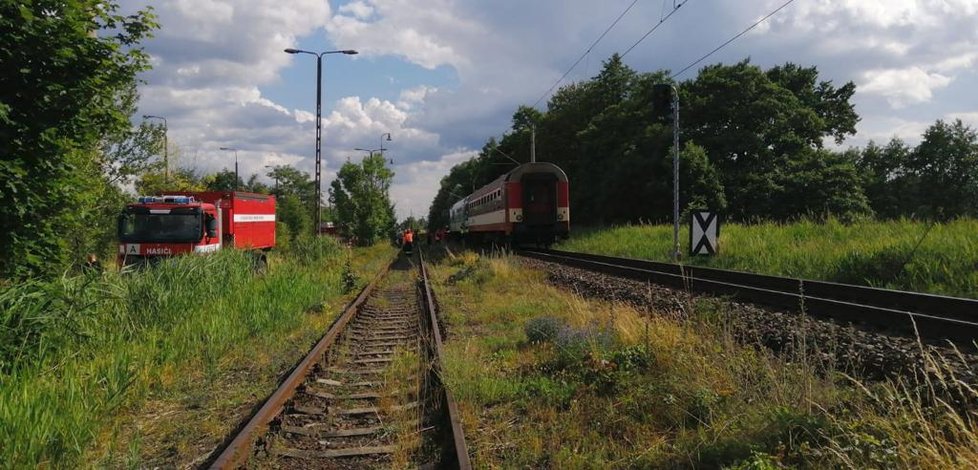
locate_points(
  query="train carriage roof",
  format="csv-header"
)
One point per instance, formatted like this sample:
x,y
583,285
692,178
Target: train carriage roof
x,y
516,174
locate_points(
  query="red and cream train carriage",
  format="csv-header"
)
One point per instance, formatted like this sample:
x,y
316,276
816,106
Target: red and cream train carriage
x,y
528,205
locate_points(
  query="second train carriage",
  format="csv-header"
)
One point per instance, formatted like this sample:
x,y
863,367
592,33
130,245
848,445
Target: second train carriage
x,y
528,205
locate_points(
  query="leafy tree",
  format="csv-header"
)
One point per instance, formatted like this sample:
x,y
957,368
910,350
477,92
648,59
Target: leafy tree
x,y
180,179
131,151
753,125
296,193
291,181
819,183
701,186
837,116
67,66
945,163
255,186
360,196
889,185
224,180
292,212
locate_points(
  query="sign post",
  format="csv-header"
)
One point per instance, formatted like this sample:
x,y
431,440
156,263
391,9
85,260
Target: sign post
x,y
704,233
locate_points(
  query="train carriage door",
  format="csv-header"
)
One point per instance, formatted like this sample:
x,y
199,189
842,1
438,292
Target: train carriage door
x,y
539,199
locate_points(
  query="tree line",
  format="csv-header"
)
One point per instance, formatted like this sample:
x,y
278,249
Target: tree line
x,y
68,148
753,147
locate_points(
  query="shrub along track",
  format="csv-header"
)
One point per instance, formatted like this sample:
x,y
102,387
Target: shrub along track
x,y
366,396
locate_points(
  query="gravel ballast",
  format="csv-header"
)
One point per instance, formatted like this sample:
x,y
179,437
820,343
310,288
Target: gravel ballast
x,y
863,352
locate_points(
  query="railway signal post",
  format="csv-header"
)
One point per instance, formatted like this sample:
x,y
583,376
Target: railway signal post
x,y
665,106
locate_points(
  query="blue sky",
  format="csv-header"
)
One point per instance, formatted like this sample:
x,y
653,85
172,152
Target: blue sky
x,y
381,77
442,76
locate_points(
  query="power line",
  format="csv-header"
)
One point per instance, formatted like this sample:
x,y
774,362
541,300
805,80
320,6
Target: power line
x,y
648,33
586,52
721,46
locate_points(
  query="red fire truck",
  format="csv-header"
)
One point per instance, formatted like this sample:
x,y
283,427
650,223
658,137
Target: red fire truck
x,y
180,222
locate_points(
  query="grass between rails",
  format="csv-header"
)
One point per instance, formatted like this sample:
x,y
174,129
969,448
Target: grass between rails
x,y
545,379
890,254
156,366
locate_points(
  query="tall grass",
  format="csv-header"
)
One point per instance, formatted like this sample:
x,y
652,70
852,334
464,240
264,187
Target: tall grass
x,y
545,378
899,254
76,350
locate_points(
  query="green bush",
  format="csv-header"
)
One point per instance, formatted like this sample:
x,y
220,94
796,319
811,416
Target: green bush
x,y
308,249
758,461
542,329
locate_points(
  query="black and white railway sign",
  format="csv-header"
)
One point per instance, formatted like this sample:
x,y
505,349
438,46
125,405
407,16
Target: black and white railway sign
x,y
704,231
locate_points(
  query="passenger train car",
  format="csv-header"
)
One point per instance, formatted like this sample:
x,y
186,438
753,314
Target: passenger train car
x,y
528,205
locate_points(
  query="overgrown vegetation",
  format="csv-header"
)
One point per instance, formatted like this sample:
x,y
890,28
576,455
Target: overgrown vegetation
x,y
63,90
80,352
546,379
902,254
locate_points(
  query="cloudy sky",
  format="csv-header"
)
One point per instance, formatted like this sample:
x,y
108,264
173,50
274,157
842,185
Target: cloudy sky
x,y
444,75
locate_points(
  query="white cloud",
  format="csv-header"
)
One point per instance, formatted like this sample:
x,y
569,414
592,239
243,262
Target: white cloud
x,y
882,129
969,118
358,9
416,184
903,87
415,96
406,28
901,50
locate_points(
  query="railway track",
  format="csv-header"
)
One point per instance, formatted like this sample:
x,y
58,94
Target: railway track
x,y
368,395
931,316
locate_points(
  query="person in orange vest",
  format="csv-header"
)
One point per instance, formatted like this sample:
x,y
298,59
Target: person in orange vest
x,y
408,240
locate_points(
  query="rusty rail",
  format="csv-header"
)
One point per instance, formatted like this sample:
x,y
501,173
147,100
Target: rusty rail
x,y
238,450
457,453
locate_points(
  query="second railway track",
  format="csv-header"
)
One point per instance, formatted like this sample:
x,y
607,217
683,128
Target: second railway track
x,y
931,316
367,396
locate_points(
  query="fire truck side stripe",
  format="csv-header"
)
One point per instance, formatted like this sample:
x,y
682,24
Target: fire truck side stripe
x,y
239,218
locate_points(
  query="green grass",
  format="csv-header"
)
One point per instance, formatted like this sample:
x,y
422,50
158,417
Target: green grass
x,y
612,389
85,359
881,254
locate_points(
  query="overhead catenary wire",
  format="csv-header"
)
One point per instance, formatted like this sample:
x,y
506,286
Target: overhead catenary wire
x,y
586,52
648,33
721,46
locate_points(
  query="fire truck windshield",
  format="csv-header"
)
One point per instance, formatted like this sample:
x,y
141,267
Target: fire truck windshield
x,y
160,228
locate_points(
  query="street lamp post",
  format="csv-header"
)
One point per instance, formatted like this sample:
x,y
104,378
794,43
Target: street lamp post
x,y
236,177
319,123
166,152
388,135
371,151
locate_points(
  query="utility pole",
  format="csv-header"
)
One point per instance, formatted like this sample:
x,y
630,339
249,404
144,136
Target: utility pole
x,y
237,178
665,101
533,144
675,174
